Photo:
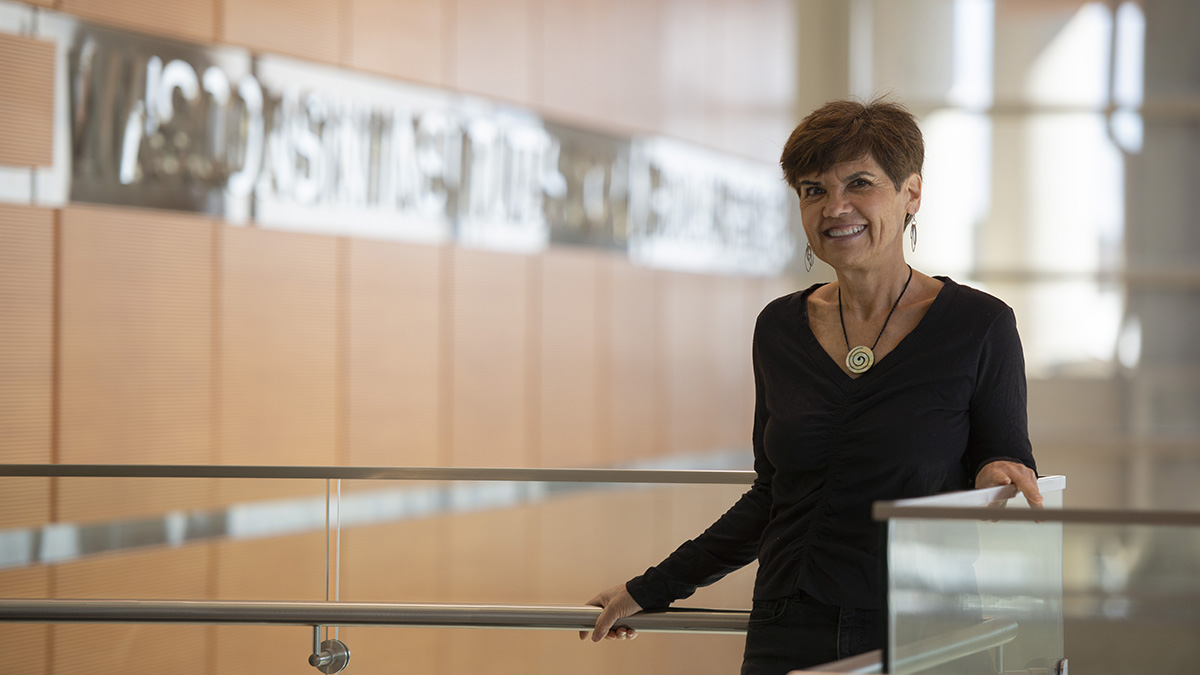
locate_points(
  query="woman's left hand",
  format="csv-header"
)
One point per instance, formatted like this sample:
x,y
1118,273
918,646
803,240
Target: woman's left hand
x,y
1003,472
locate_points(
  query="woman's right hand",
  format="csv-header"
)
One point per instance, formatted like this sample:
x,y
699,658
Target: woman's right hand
x,y
617,604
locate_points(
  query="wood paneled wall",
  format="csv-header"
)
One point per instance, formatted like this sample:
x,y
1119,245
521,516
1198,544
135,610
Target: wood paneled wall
x,y
29,582
135,356
194,20
395,317
137,336
405,39
279,370
572,325
489,381
176,574
720,73
26,101
26,358
634,374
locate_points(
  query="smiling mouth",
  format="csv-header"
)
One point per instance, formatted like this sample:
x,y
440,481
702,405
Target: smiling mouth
x,y
847,231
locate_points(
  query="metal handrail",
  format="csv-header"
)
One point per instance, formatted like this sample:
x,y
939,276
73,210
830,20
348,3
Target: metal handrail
x,y
912,657
887,511
982,496
439,615
986,505
548,475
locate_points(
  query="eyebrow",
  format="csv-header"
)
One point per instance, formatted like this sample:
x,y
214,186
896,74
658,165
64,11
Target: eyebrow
x,y
847,179
858,174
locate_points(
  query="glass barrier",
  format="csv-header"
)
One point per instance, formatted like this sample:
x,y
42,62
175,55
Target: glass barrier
x,y
443,540
1113,591
972,588
515,542
1131,598
988,589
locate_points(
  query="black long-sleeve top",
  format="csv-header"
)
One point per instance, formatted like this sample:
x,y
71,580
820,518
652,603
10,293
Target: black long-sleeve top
x,y
924,419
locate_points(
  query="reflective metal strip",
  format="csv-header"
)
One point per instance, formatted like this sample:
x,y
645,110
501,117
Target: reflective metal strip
x,y
888,511
62,542
551,617
694,477
982,497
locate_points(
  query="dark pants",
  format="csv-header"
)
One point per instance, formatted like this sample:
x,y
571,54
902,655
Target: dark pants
x,y
799,632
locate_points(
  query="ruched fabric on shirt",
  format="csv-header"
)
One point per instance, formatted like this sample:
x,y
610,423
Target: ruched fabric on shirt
x,y
948,399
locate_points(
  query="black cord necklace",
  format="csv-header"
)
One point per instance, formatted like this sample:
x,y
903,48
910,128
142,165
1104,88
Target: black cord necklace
x,y
861,358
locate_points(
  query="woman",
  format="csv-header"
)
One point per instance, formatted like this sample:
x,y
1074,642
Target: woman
x,y
885,384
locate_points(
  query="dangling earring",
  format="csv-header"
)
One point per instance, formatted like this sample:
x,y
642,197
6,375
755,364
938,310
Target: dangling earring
x,y
913,235
808,258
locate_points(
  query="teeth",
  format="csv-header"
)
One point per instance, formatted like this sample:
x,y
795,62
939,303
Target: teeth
x,y
845,231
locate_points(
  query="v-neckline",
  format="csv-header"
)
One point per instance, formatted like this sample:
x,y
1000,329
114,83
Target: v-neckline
x,y
829,362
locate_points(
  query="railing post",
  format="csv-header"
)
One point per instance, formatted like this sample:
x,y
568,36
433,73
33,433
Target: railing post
x,y
330,656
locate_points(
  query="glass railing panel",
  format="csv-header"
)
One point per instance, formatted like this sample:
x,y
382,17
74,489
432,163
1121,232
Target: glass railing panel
x,y
402,541
997,585
1129,594
1132,596
518,542
274,549
166,539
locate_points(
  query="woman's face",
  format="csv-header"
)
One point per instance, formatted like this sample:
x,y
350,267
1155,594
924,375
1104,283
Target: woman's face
x,y
854,217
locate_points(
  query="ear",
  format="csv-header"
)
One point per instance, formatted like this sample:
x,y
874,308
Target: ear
x,y
912,189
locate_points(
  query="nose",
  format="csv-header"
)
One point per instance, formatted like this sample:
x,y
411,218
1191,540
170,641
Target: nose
x,y
836,204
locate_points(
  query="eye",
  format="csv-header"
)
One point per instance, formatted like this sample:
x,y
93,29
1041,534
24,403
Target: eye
x,y
812,191
860,183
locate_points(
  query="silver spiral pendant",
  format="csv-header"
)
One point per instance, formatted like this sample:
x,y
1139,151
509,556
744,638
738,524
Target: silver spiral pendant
x,y
860,359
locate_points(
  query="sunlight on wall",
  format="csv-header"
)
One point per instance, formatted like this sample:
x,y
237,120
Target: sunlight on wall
x,y
974,51
958,151
1129,63
1073,328
1073,69
1074,184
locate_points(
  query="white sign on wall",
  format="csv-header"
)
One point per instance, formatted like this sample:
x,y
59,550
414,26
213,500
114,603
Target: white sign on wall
x,y
275,142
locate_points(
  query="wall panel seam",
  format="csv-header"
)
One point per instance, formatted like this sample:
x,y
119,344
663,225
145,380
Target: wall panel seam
x,y
342,346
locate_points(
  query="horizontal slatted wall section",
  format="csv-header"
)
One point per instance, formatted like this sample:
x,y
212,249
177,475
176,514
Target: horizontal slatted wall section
x,y
308,29
407,40
733,312
569,359
26,101
26,400
135,364
188,19
32,583
572,64
633,363
26,359
495,48
280,379
394,311
686,340
490,342
371,556
581,551
286,568
279,364
158,574
491,559
631,44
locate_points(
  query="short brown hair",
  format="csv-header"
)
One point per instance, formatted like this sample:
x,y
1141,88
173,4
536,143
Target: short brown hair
x,y
846,130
